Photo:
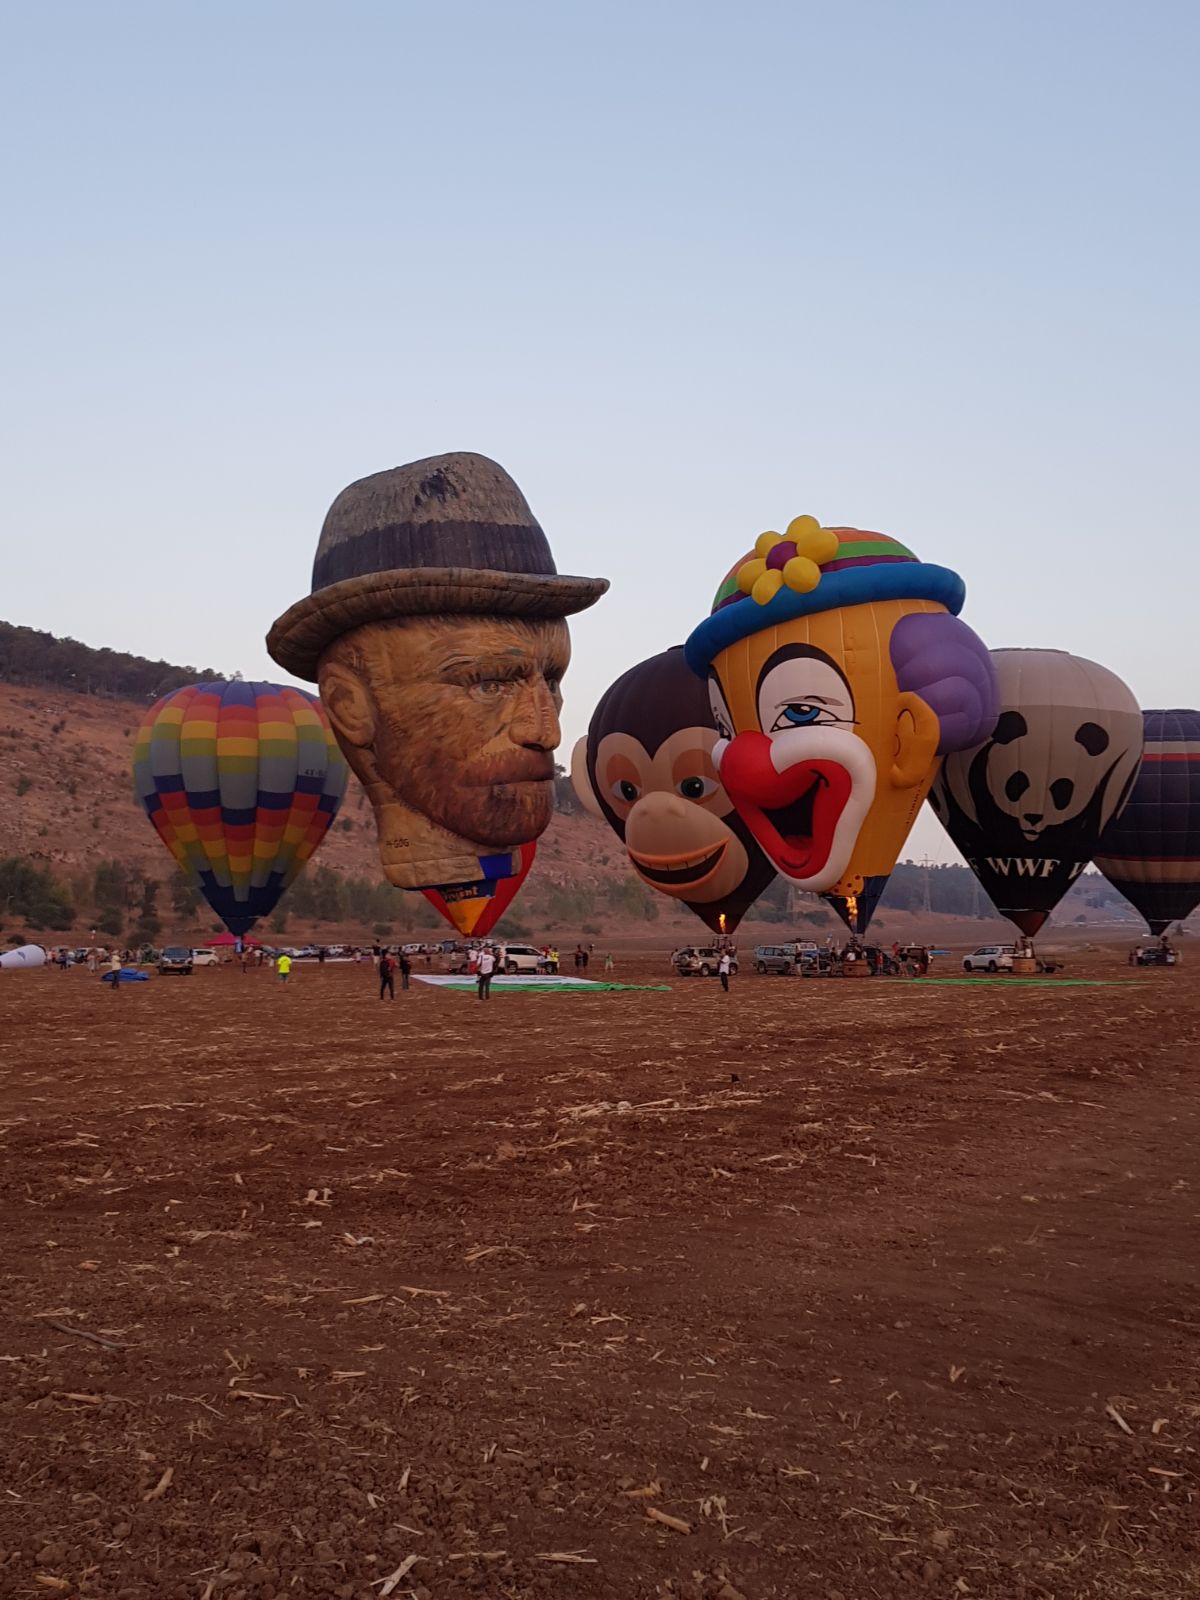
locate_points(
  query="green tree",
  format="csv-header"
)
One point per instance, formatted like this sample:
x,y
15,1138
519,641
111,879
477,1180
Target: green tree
x,y
110,887
184,897
328,895
33,895
149,924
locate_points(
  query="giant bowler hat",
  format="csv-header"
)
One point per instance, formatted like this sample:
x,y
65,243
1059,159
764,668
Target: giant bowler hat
x,y
449,534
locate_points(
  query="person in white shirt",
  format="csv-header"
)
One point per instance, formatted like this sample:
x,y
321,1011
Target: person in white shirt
x,y
724,966
485,966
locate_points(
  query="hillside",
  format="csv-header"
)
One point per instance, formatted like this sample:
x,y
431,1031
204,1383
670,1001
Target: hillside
x,y
69,810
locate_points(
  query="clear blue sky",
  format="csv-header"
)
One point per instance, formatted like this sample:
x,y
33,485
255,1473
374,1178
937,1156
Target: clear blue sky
x,y
685,269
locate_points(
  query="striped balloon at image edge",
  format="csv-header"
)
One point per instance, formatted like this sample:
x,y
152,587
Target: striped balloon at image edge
x,y
241,782
1151,852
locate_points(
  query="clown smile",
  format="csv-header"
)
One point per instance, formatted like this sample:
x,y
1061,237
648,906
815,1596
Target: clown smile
x,y
803,795
676,872
794,822
797,834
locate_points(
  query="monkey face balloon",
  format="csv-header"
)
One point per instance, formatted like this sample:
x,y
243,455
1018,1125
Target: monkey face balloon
x,y
646,768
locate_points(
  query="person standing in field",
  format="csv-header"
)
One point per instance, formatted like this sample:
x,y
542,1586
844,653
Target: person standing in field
x,y
387,976
484,968
609,963
114,970
284,968
724,967
405,969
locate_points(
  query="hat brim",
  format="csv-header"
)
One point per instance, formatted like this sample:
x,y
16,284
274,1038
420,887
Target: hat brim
x,y
304,631
853,586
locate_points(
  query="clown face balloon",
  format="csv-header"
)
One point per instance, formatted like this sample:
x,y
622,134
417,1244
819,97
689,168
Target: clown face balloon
x,y
839,675
646,768
1028,804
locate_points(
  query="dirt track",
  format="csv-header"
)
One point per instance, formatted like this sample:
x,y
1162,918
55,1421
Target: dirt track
x,y
865,1290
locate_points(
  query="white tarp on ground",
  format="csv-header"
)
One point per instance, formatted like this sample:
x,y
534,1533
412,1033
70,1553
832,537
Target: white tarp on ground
x,y
517,980
24,956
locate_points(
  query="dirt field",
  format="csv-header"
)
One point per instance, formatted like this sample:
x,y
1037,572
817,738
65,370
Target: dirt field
x,y
870,1290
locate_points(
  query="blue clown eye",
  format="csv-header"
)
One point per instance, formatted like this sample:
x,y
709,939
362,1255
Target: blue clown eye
x,y
801,715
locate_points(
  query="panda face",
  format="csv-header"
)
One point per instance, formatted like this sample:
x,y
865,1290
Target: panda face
x,y
1043,766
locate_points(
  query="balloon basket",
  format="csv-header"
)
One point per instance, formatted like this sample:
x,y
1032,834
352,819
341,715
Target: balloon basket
x,y
856,969
1024,965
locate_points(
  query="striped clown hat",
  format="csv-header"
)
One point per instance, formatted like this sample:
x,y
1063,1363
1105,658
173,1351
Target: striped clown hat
x,y
809,568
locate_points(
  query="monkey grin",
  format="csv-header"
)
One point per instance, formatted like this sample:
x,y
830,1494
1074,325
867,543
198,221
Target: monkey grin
x,y
677,871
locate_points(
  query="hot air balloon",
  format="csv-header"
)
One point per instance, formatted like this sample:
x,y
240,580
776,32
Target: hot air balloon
x,y
839,673
436,628
646,768
1027,805
1151,851
242,781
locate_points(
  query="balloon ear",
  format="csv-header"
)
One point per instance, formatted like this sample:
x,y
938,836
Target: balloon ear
x,y
581,781
918,733
348,702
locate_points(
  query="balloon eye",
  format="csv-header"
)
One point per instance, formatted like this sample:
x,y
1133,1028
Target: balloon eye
x,y
799,714
623,789
696,788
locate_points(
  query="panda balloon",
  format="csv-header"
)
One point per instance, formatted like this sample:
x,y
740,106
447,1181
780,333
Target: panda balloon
x,y
1028,805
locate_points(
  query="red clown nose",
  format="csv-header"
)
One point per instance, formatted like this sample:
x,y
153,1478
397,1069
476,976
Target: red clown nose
x,y
748,771
792,814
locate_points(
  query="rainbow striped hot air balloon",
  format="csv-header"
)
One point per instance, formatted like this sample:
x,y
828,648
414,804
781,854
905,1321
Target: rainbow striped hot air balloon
x,y
242,781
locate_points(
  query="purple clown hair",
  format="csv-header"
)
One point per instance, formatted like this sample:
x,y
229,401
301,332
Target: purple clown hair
x,y
940,659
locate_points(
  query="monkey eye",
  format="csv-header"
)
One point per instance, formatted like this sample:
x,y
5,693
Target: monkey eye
x,y
625,790
697,788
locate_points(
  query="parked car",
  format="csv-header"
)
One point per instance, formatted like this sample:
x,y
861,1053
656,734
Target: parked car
x,y
989,958
204,958
786,959
520,958
175,958
510,958
699,961
1157,954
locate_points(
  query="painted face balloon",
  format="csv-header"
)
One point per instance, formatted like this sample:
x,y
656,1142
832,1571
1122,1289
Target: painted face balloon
x,y
839,674
436,629
646,768
1027,805
241,782
1151,850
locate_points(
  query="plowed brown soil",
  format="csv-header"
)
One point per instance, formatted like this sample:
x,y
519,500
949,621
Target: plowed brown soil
x,y
818,1290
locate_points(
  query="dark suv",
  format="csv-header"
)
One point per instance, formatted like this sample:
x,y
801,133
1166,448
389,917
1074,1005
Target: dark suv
x,y
175,958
